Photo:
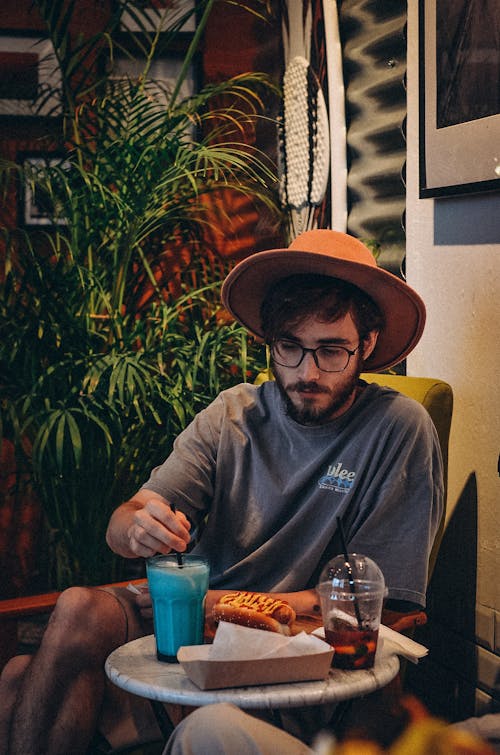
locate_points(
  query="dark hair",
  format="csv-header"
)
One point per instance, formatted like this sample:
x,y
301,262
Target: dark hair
x,y
297,297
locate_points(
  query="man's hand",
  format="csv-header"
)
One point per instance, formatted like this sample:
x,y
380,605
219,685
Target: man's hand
x,y
143,602
157,529
146,525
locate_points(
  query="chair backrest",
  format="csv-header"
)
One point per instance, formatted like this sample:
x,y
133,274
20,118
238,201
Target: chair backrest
x,y
437,397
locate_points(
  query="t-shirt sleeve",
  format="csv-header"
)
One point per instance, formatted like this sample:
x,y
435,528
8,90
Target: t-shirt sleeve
x,y
186,478
399,518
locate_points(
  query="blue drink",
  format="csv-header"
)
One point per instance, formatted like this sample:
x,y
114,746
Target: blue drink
x,y
178,596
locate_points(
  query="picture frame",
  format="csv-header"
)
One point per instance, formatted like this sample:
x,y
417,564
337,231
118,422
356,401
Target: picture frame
x,y
459,99
170,12
30,80
163,72
135,34
35,209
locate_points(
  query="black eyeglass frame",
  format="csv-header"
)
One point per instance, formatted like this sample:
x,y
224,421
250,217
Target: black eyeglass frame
x,y
350,353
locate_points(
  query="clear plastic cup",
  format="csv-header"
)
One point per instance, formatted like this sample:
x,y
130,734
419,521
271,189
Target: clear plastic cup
x,y
178,597
351,595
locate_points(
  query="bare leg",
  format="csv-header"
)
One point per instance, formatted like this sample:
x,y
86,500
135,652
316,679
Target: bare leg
x,y
61,694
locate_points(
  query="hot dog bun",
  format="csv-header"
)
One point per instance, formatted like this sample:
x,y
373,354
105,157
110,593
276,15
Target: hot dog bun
x,y
253,609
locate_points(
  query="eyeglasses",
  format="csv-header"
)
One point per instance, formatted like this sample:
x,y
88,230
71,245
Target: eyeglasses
x,y
327,358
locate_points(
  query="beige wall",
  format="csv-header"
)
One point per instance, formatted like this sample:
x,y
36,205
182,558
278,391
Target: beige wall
x,y
461,344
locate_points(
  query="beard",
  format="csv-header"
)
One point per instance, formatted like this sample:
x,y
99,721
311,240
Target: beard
x,y
307,412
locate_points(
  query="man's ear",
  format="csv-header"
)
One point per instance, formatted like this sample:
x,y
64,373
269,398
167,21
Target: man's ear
x,y
369,343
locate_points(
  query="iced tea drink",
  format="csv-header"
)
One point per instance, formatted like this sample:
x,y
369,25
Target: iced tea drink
x,y
351,605
354,648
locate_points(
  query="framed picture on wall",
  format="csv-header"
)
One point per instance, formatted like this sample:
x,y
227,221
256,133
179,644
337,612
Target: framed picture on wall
x,y
166,12
37,207
30,80
136,33
459,72
163,74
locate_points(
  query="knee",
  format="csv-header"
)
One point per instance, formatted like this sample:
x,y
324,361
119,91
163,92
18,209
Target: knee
x,y
218,715
77,607
208,729
84,617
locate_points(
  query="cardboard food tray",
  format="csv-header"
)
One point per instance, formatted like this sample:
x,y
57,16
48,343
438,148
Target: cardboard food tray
x,y
217,674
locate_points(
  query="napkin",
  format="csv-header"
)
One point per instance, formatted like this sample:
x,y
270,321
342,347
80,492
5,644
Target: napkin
x,y
395,642
233,642
402,645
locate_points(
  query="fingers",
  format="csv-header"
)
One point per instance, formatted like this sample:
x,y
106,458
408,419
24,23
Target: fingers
x,y
156,528
143,602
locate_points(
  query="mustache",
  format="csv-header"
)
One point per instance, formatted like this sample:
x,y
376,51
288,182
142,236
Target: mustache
x,y
312,387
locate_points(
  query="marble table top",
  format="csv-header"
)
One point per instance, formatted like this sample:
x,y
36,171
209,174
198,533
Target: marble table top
x,y
135,668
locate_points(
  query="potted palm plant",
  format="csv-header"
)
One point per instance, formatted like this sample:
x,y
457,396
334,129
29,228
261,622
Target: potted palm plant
x,y
104,355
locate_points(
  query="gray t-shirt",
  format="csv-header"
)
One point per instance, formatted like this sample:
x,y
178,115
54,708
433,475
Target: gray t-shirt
x,y
273,488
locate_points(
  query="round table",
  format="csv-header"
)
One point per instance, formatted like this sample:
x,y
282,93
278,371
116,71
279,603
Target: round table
x,y
135,668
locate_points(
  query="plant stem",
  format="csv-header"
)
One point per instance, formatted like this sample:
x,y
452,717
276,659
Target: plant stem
x,y
191,51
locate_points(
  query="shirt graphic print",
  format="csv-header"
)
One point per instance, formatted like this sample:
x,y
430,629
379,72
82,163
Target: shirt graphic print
x,y
337,478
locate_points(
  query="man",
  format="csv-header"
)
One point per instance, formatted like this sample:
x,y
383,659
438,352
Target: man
x,y
260,477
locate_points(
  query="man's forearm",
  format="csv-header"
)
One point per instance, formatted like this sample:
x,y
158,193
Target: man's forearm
x,y
303,602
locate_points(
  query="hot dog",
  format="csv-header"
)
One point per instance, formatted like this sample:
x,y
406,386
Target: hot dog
x,y
253,609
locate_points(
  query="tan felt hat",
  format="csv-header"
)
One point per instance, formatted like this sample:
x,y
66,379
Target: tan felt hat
x,y
339,255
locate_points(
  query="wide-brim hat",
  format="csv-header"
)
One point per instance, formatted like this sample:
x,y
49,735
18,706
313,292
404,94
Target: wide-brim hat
x,y
338,255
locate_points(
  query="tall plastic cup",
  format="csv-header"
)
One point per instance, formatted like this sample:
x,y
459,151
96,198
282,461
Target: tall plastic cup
x,y
351,595
178,597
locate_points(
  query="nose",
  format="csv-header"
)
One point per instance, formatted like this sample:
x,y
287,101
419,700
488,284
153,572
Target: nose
x,y
308,369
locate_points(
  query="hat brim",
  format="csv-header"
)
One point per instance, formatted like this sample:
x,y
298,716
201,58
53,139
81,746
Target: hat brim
x,y
404,311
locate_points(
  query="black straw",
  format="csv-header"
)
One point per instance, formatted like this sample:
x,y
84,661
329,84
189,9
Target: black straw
x,y
180,561
349,571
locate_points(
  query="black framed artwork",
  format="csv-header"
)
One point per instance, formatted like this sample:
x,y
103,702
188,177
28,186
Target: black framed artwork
x,y
166,12
163,73
36,207
459,85
30,80
136,32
